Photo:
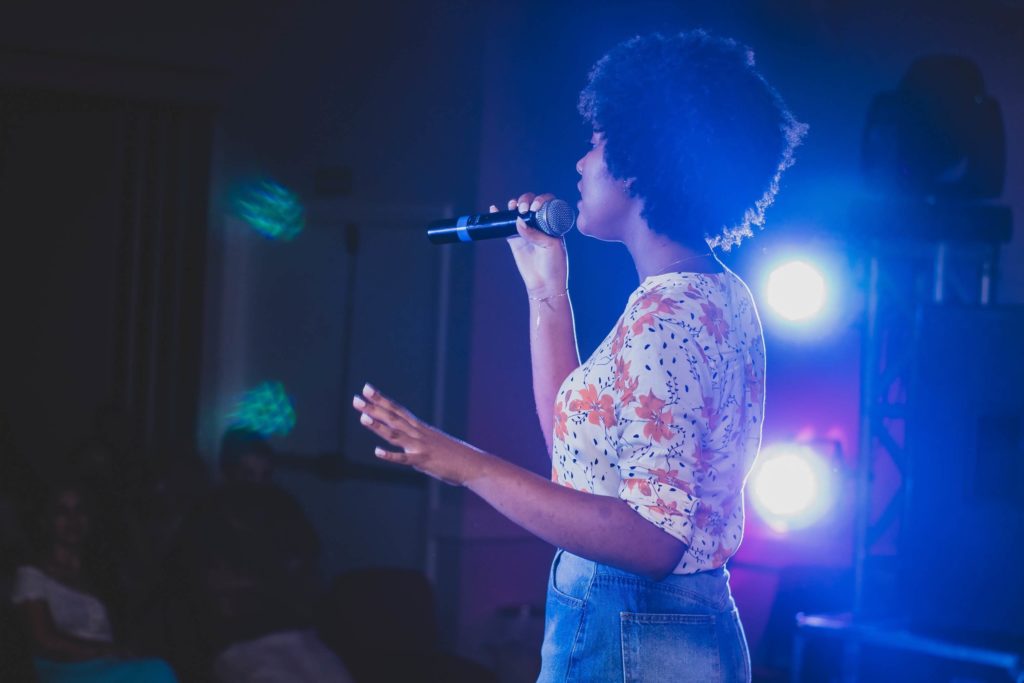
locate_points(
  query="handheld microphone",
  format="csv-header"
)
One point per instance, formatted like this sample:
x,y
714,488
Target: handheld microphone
x,y
554,217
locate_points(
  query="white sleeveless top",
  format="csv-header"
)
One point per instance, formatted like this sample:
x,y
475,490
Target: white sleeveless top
x,y
74,613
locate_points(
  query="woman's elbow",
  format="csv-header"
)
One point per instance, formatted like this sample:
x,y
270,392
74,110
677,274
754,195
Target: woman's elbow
x,y
665,560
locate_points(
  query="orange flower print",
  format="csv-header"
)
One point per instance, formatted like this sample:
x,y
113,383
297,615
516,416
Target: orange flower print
x,y
554,474
723,553
561,419
753,383
642,485
619,339
710,414
665,509
625,384
710,519
671,478
714,320
659,303
600,410
621,373
658,421
706,458
642,322
649,299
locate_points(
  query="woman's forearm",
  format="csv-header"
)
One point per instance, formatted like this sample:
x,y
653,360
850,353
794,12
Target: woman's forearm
x,y
553,352
52,643
600,528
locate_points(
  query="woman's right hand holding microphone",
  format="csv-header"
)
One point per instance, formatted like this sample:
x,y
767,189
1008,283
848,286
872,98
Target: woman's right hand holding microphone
x,y
541,259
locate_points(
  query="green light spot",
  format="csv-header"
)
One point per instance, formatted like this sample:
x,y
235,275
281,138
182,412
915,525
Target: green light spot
x,y
267,409
271,210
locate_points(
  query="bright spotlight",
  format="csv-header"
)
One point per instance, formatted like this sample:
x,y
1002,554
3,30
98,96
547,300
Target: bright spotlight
x,y
791,486
796,290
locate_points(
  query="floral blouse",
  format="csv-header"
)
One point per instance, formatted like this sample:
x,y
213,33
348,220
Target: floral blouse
x,y
666,413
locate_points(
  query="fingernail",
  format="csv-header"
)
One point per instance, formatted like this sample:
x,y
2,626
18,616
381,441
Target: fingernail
x,y
524,207
379,452
358,402
368,390
366,419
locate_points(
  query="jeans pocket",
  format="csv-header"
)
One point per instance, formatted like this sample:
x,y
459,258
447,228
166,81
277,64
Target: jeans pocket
x,y
681,648
571,578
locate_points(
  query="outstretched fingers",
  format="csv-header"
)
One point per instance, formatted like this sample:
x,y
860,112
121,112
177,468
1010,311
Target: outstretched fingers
x,y
398,457
387,419
381,426
400,413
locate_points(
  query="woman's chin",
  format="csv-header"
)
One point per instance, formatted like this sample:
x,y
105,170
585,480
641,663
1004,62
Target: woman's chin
x,y
581,224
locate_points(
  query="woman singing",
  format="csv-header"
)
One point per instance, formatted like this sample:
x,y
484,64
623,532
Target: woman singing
x,y
652,437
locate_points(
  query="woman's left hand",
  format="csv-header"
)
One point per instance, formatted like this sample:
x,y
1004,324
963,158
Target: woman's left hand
x,y
423,447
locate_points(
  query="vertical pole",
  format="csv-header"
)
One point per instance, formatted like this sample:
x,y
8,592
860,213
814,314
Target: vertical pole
x,y
433,512
987,275
865,457
939,274
796,666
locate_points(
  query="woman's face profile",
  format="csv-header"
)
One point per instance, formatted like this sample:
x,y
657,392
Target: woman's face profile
x,y
605,205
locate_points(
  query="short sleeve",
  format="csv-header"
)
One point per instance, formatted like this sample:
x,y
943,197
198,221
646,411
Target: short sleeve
x,y
659,401
29,584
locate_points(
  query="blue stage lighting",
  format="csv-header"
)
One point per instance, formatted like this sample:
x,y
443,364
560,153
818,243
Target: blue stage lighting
x,y
266,409
796,291
792,486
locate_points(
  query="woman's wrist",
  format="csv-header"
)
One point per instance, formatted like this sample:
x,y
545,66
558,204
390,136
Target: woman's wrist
x,y
546,291
547,298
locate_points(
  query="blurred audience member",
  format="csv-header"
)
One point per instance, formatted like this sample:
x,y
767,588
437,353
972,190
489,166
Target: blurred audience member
x,y
246,457
56,597
247,562
20,486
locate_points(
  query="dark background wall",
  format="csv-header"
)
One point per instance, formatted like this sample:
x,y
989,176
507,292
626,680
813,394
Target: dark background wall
x,y
430,108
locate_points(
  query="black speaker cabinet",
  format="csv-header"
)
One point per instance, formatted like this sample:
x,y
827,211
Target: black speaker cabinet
x,y
962,544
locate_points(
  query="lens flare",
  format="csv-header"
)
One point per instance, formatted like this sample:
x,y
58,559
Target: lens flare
x,y
796,291
791,486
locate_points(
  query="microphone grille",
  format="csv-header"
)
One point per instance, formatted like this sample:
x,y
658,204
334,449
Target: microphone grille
x,y
556,217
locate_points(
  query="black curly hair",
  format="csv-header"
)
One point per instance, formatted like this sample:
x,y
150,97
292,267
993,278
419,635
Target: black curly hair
x,y
702,134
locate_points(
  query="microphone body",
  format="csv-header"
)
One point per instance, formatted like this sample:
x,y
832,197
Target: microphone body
x,y
554,218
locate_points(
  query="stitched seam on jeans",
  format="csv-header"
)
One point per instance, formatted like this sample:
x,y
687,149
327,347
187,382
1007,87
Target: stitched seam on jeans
x,y
627,652
647,585
565,597
667,618
579,629
625,617
567,600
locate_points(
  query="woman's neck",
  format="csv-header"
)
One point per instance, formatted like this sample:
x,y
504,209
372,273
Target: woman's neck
x,y
655,254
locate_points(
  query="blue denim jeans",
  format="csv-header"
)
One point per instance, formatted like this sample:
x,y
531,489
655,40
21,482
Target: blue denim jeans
x,y
605,624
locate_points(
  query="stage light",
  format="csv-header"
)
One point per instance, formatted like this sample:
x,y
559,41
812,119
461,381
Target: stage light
x,y
792,486
266,409
796,291
270,209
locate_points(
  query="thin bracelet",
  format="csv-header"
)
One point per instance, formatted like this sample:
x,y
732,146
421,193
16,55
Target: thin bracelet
x,y
545,299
